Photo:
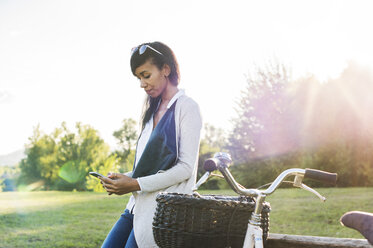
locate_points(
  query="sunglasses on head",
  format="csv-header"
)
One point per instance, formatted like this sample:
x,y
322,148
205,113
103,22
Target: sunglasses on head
x,y
142,49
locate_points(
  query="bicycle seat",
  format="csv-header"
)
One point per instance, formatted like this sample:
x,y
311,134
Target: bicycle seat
x,y
360,221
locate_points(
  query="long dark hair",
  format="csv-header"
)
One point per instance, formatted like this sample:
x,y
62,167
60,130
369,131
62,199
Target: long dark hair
x,y
159,60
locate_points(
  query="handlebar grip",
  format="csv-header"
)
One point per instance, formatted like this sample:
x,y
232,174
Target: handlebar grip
x,y
321,176
211,164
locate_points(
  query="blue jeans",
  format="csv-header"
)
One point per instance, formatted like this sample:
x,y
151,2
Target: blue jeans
x,y
121,235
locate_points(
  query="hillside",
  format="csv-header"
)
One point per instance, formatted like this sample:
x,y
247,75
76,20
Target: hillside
x,y
12,158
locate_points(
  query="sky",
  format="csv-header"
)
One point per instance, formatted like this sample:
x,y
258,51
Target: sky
x,y
69,60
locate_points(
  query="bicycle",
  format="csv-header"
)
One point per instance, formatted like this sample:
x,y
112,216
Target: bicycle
x,y
254,233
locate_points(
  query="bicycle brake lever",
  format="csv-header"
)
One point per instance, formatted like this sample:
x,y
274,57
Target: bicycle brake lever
x,y
202,180
303,186
298,183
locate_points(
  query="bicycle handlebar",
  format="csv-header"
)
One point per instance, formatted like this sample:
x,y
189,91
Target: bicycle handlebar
x,y
321,176
221,162
212,164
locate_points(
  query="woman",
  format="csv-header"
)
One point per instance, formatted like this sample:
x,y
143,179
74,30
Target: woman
x,y
167,148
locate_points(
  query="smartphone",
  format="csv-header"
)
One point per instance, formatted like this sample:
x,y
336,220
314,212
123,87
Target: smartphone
x,y
95,174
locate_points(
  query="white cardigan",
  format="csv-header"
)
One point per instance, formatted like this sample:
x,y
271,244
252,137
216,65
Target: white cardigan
x,y
181,178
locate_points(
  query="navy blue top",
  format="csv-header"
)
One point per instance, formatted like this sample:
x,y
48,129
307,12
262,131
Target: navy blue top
x,y
160,151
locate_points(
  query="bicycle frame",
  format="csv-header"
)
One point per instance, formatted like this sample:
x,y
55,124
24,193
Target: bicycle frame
x,y
254,232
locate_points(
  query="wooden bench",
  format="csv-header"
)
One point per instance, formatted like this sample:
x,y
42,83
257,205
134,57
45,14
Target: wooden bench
x,y
298,241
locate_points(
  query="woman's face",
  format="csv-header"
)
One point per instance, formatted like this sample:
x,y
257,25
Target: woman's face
x,y
153,80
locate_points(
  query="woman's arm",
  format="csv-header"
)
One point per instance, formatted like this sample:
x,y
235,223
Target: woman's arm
x,y
119,184
190,131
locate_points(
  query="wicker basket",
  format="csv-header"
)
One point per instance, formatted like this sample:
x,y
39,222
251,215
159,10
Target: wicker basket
x,y
204,221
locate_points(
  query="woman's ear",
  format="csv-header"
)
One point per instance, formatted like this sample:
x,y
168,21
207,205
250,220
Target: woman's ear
x,y
166,70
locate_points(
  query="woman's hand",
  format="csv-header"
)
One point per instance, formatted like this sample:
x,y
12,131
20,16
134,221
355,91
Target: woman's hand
x,y
119,184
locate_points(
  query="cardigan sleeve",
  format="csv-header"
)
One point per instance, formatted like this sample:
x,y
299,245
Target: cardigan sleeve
x,y
129,173
190,131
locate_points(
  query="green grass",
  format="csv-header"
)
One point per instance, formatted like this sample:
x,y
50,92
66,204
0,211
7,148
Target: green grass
x,y
296,211
57,219
82,219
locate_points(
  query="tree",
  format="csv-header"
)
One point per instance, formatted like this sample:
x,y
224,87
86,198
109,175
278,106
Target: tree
x,y
39,165
265,136
126,137
80,152
63,159
304,123
213,141
110,164
264,123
